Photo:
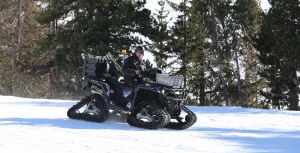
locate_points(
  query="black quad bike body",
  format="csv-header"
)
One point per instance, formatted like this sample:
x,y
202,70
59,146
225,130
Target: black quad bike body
x,y
154,103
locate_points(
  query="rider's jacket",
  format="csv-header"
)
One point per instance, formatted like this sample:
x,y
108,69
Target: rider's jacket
x,y
131,67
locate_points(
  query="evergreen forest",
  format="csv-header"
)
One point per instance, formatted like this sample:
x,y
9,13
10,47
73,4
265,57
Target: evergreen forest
x,y
230,52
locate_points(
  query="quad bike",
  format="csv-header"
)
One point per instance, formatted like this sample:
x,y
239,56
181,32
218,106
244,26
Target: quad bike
x,y
155,103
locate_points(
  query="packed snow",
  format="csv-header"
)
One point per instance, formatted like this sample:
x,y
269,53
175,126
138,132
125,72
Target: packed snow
x,y
42,126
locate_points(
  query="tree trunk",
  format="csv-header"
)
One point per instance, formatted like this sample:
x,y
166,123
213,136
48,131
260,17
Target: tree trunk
x,y
293,93
185,45
17,40
202,89
202,82
220,65
216,46
235,50
54,82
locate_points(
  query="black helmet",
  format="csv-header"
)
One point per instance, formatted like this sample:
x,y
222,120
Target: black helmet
x,y
139,48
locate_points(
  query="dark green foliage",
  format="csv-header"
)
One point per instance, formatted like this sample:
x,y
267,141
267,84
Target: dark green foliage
x,y
198,66
214,41
207,37
95,26
210,18
279,52
161,37
249,15
179,40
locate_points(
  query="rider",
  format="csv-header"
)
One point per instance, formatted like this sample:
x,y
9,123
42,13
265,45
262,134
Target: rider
x,y
133,66
133,70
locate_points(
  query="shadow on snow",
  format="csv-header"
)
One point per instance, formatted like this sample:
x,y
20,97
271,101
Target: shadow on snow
x,y
257,140
112,123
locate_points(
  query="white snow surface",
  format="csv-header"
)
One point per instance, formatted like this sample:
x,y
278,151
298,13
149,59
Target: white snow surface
x,y
42,126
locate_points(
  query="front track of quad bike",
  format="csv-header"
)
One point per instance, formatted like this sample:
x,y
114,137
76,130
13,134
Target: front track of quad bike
x,y
182,123
148,116
91,108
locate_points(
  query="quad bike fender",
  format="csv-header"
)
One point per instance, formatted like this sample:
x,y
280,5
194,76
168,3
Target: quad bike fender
x,y
98,87
143,94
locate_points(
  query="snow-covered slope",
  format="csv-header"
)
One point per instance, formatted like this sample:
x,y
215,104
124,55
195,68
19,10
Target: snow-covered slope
x,y
41,126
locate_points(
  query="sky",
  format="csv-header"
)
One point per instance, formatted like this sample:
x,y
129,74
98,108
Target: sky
x,y
265,5
153,6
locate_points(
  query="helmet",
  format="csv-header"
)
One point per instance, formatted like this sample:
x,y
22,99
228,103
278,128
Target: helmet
x,y
139,48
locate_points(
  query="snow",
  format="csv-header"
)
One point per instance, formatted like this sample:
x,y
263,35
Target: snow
x,y
41,125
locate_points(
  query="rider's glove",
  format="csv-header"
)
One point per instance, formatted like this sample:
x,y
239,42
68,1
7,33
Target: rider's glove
x,y
137,72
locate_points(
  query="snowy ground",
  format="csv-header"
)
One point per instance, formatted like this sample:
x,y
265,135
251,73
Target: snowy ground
x,y
41,126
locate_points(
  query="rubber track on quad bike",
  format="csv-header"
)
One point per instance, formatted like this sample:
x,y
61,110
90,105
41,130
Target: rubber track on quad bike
x,y
100,104
191,118
133,121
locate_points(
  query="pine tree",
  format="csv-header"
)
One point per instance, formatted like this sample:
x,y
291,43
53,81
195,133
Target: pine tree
x,y
160,39
279,52
215,41
201,39
198,65
248,16
95,27
179,43
215,15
